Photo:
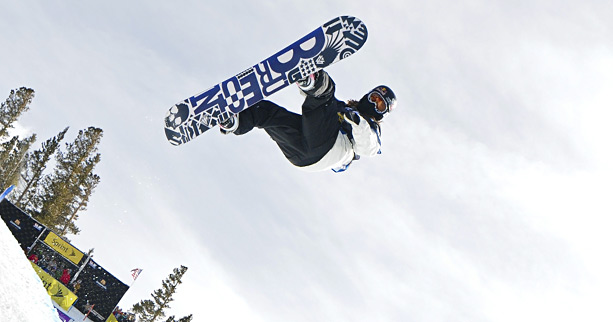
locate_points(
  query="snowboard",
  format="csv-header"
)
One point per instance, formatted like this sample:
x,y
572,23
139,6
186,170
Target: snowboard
x,y
335,40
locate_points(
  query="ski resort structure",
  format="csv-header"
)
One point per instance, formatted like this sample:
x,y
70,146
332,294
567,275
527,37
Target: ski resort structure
x,y
78,285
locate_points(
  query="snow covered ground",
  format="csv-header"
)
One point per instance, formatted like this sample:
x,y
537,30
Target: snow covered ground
x,y
23,297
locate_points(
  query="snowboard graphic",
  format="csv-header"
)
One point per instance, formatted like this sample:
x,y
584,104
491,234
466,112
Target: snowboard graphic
x,y
336,40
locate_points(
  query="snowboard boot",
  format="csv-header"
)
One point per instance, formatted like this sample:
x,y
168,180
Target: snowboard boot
x,y
308,83
317,85
229,125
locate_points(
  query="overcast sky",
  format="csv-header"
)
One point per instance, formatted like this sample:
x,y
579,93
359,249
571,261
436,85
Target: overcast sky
x,y
490,202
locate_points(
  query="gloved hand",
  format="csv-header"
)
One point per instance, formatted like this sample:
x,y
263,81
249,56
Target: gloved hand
x,y
352,117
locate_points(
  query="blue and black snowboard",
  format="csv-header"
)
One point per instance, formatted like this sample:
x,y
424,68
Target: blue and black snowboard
x,y
336,40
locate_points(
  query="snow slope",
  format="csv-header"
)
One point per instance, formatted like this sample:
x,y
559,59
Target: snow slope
x,y
23,297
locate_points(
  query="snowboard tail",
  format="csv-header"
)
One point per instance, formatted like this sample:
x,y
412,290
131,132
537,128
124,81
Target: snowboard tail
x,y
336,40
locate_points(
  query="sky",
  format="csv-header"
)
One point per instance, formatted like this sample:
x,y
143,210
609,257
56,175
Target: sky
x,y
488,203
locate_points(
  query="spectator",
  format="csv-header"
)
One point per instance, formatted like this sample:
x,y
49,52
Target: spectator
x,y
52,266
76,286
33,258
65,278
58,272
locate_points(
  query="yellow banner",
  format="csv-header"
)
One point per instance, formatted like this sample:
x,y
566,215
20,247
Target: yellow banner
x,y
63,248
59,293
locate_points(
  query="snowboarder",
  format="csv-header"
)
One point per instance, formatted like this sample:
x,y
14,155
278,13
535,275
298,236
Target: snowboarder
x,y
329,134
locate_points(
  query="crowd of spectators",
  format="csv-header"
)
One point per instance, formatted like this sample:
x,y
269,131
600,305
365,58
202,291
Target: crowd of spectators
x,y
58,269
122,316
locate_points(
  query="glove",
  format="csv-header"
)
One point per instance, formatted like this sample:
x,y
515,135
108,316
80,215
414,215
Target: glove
x,y
352,117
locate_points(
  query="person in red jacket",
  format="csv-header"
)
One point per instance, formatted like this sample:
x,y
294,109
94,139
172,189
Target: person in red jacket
x,y
33,258
65,277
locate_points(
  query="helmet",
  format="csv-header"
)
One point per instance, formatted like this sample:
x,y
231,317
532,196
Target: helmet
x,y
378,102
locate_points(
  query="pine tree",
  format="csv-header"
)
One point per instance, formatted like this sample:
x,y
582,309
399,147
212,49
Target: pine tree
x,y
153,310
28,196
183,319
17,103
12,159
88,183
68,188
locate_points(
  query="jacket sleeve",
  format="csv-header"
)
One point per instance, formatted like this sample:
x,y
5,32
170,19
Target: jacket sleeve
x,y
366,141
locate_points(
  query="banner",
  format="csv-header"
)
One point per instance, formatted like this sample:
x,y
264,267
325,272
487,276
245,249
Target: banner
x,y
111,318
64,248
24,228
64,317
6,192
59,293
